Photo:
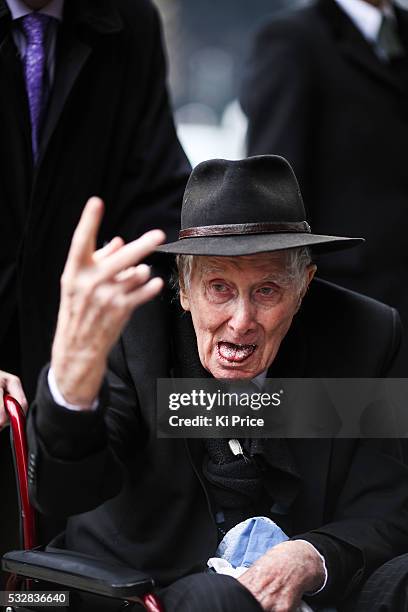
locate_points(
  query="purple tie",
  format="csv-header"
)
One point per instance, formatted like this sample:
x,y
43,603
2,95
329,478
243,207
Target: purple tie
x,y
35,28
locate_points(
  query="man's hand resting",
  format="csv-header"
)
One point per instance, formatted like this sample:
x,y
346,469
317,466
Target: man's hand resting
x,y
279,578
99,291
10,385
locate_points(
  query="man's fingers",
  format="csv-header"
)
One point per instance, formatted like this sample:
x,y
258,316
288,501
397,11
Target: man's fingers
x,y
15,389
144,294
3,414
10,385
84,239
112,246
133,277
130,254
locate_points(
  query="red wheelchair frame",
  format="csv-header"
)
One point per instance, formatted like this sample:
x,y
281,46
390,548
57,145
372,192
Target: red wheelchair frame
x,y
27,517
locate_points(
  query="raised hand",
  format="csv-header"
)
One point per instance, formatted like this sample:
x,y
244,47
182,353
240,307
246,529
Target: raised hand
x,y
99,291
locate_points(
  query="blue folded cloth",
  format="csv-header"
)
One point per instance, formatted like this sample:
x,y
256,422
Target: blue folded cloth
x,y
246,543
249,540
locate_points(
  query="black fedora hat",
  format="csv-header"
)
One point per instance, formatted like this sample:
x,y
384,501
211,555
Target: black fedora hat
x,y
243,207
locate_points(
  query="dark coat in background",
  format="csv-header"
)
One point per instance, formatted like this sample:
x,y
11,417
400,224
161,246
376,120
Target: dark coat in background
x,y
108,131
316,93
155,512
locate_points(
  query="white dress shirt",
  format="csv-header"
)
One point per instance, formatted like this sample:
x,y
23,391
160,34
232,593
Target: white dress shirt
x,y
366,17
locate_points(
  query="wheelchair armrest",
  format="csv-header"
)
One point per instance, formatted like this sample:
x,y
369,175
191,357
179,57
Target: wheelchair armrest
x,y
78,571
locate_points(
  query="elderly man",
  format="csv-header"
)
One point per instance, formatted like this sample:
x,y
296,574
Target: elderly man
x,y
245,268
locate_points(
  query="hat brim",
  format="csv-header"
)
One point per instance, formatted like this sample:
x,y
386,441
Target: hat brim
x,y
236,245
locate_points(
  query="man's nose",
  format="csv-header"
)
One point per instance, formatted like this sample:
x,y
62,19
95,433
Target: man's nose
x,y
243,318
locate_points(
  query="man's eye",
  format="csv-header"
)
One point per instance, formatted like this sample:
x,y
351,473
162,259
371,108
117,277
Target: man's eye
x,y
267,291
219,287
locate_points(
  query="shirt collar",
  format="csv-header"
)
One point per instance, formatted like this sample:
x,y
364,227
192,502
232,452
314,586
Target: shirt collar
x,y
19,9
366,17
259,380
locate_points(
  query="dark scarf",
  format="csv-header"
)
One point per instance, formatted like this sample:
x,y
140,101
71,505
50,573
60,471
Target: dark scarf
x,y
264,480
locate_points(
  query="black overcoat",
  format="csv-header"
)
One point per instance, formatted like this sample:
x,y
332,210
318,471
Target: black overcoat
x,y
108,131
315,92
353,495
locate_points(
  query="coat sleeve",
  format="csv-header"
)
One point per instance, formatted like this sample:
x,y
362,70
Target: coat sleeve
x,y
153,166
278,96
370,521
79,457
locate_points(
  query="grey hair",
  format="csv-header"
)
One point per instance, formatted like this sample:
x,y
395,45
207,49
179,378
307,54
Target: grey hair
x,y
297,261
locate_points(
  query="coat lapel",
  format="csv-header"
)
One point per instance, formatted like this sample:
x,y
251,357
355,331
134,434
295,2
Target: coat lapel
x,y
402,23
74,55
16,129
290,362
75,50
186,362
12,69
311,456
356,48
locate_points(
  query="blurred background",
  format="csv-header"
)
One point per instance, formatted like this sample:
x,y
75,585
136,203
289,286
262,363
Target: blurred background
x,y
207,44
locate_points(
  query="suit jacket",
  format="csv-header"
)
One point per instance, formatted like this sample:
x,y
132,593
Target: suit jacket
x,y
155,511
316,93
108,131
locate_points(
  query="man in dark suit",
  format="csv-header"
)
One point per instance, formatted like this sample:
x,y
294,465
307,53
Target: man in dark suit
x,y
327,87
104,127
244,269
84,110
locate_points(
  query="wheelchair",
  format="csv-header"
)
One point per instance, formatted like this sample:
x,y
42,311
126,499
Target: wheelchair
x,y
37,569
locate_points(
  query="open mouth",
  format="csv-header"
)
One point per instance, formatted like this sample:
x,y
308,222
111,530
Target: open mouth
x,y
235,353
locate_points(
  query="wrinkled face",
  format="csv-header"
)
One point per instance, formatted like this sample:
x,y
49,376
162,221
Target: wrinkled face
x,y
241,309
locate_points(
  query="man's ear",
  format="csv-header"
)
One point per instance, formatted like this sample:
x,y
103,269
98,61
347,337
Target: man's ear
x,y
184,301
310,272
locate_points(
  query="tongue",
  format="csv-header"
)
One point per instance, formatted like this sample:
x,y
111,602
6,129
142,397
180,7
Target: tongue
x,y
235,352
